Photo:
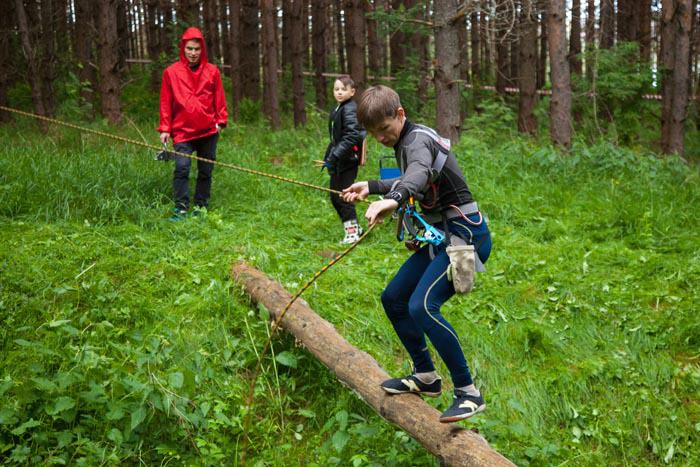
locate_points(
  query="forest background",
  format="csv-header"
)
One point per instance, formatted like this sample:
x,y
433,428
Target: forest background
x,y
124,339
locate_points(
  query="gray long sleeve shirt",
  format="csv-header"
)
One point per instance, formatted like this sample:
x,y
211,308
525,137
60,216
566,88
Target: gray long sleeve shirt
x,y
415,152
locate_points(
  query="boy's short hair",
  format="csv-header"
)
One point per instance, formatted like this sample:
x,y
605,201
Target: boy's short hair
x,y
376,104
347,81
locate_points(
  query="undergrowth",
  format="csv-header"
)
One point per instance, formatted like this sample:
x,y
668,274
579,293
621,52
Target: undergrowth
x,y
124,340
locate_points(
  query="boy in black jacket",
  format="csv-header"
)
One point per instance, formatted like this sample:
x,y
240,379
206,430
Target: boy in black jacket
x,y
344,153
412,300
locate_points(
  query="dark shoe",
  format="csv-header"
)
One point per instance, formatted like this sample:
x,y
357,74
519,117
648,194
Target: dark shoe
x,y
413,385
199,211
178,215
463,406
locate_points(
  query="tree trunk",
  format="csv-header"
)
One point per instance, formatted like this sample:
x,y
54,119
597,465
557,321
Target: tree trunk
x,y
153,42
527,81
376,56
5,56
234,56
306,37
188,12
398,41
269,43
450,443
695,52
607,23
123,35
31,55
48,54
675,55
419,44
486,62
644,29
340,37
109,60
446,69
514,53
319,33
60,19
286,45
590,38
166,28
250,51
560,104
666,62
211,31
464,63
627,21
542,58
503,20
295,36
575,43
463,37
355,42
225,34
476,49
84,40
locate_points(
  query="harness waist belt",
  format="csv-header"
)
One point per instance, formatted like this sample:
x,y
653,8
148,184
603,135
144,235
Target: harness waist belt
x,y
466,209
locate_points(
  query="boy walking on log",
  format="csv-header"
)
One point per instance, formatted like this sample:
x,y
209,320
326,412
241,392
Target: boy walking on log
x,y
449,221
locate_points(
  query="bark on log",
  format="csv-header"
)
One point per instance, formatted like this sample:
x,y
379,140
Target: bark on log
x,y
450,443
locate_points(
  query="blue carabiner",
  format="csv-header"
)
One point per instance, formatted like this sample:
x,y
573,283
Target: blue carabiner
x,y
426,233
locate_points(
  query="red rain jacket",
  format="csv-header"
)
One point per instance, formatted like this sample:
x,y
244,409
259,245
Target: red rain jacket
x,y
192,103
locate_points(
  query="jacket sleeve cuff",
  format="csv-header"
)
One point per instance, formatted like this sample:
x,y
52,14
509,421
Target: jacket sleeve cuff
x,y
374,187
399,196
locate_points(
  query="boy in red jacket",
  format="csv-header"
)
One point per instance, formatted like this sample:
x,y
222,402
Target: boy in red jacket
x,y
192,111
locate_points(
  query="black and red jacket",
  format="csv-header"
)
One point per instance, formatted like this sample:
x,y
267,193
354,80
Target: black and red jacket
x,y
343,151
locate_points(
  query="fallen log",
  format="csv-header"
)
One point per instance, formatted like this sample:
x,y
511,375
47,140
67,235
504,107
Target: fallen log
x,y
450,443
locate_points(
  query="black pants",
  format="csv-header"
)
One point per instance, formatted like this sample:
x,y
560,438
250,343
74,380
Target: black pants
x,y
341,180
206,148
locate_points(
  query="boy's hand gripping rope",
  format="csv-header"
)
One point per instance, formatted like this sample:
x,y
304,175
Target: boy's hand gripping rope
x,y
275,325
157,148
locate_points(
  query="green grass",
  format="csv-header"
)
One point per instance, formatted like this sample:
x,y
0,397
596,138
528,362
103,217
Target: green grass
x,y
124,339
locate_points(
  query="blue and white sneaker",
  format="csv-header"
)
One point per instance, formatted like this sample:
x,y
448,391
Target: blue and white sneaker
x,y
463,406
178,214
411,384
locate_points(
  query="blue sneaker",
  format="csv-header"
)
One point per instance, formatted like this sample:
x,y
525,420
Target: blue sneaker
x,y
411,384
178,215
463,406
199,211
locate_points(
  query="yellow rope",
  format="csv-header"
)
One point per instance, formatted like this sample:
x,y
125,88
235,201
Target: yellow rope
x,y
181,154
278,320
275,325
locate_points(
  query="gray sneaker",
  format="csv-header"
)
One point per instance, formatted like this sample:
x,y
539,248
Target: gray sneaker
x,y
411,384
463,406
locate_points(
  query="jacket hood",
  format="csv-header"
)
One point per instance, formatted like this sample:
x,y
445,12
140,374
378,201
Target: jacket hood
x,y
188,35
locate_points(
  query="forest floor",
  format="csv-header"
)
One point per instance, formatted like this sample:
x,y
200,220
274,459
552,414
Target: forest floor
x,y
123,339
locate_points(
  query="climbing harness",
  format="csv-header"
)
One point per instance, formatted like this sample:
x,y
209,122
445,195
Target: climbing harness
x,y
412,229
462,253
